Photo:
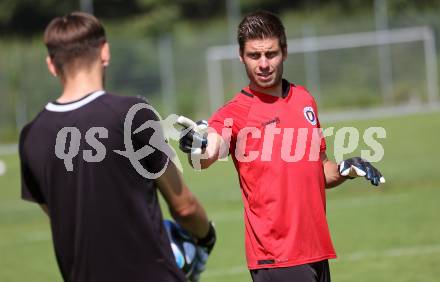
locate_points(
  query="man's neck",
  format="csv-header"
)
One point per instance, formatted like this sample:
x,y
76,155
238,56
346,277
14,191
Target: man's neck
x,y
80,85
276,90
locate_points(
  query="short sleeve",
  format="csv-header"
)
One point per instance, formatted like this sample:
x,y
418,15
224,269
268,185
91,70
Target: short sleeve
x,y
232,115
217,120
152,136
30,189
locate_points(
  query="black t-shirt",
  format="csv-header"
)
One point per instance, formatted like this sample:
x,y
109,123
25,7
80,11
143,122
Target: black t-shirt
x,y
105,216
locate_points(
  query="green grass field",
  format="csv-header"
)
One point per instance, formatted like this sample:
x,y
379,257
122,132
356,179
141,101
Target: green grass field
x,y
386,234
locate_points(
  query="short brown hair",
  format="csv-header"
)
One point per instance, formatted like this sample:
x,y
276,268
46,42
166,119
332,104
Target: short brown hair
x,y
261,25
75,38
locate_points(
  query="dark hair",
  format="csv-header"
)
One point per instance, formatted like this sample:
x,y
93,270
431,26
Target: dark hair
x,y
74,38
261,25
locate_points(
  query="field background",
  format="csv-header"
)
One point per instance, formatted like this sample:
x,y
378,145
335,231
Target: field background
x,y
386,234
346,79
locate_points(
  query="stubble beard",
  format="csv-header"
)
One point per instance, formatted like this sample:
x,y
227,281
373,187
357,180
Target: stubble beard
x,y
265,85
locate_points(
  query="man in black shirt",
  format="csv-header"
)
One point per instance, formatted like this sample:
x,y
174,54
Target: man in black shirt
x,y
104,212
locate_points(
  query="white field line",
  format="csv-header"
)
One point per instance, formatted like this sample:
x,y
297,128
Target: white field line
x,y
8,149
397,252
388,253
30,237
37,236
15,206
43,236
237,214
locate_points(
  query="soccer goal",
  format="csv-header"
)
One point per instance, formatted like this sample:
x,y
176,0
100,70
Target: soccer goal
x,y
346,74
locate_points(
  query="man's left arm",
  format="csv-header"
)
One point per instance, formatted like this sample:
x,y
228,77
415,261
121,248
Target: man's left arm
x,y
348,169
331,172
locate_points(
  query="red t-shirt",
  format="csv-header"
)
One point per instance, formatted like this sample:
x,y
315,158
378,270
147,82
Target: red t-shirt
x,y
275,144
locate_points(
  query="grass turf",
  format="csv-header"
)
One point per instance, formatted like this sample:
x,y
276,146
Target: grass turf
x,y
386,234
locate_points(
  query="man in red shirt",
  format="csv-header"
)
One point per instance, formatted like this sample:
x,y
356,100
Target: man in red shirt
x,y
272,131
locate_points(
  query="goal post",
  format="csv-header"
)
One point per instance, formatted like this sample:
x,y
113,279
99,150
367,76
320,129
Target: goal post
x,y
217,54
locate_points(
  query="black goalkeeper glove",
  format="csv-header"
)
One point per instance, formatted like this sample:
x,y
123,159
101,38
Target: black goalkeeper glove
x,y
194,137
357,167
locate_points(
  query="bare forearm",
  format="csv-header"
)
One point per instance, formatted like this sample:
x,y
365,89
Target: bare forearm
x,y
201,162
193,219
216,147
332,176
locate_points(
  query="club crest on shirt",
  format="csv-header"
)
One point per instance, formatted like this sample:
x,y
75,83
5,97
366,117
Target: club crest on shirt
x,y
310,116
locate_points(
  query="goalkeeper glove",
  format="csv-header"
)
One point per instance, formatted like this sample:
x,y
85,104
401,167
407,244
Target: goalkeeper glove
x,y
355,167
194,137
200,264
204,248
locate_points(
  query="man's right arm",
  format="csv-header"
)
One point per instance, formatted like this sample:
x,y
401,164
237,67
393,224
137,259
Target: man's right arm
x,y
212,152
183,205
202,143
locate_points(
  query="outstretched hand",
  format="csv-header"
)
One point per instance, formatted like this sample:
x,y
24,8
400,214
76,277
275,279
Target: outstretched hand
x,y
193,138
358,167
